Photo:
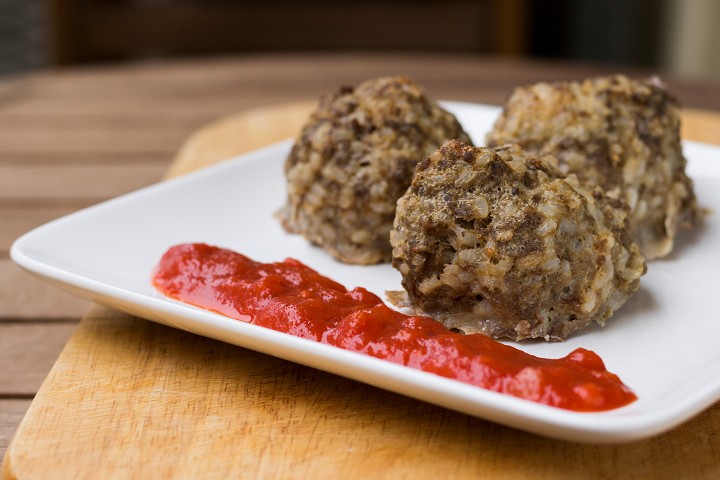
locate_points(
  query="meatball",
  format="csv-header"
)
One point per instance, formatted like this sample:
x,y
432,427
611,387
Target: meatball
x,y
354,158
498,241
619,134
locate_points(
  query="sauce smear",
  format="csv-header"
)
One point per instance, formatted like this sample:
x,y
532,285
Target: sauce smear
x,y
292,298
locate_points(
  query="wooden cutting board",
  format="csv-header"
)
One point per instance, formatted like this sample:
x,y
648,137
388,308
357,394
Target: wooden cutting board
x,y
128,398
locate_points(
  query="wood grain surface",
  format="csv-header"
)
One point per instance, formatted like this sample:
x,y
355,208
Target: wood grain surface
x,y
131,399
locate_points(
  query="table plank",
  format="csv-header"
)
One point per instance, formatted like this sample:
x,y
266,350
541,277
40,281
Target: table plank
x,y
84,140
173,110
11,412
66,115
46,184
129,159
282,77
16,221
27,352
25,298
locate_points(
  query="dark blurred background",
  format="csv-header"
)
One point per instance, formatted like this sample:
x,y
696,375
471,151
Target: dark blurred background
x,y
675,36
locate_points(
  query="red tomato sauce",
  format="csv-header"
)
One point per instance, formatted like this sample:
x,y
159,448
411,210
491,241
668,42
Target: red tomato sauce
x,y
292,298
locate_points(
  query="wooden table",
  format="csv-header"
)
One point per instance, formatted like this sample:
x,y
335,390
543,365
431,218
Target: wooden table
x,y
69,139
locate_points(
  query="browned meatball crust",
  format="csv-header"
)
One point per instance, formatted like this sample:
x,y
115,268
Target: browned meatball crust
x,y
500,242
619,134
354,158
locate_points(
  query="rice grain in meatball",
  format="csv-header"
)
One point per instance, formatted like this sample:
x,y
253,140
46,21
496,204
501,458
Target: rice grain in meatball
x,y
620,134
500,242
354,158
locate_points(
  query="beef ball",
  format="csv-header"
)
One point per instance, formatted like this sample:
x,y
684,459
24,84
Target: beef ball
x,y
620,134
498,241
354,158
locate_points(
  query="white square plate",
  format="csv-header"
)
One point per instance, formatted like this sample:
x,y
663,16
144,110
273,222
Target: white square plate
x,y
663,343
